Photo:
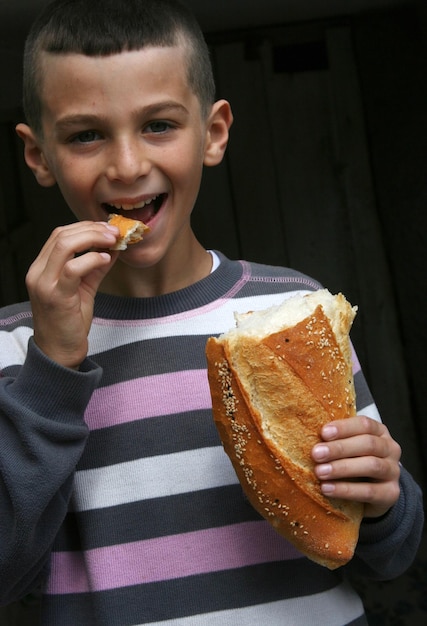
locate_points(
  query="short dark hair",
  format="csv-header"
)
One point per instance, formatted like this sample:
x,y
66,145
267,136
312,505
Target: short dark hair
x,y
106,27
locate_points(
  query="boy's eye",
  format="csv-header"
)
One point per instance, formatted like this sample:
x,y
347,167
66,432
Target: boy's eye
x,y
158,127
88,136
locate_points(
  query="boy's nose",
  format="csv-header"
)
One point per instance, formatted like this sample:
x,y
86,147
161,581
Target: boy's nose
x,y
127,162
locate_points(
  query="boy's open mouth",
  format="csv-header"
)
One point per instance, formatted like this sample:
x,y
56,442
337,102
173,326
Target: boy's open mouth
x,y
143,211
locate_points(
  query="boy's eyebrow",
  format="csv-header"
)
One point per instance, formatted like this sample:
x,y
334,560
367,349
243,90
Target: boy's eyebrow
x,y
147,111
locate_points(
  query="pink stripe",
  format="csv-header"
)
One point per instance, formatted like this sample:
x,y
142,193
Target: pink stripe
x,y
16,318
135,400
167,558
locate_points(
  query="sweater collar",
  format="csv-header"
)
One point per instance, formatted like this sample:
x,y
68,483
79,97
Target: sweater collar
x,y
201,293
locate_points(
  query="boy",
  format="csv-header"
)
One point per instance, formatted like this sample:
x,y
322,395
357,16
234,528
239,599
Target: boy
x,y
115,493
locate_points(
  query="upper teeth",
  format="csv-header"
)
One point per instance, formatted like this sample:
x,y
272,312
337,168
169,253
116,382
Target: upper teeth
x,y
128,207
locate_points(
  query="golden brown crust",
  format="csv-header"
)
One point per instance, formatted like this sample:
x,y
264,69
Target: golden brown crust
x,y
270,398
131,231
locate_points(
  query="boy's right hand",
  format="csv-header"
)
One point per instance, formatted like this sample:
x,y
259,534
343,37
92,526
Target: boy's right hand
x,y
62,288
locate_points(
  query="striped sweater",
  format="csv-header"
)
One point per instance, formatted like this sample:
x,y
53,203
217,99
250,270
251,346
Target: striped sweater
x,y
115,491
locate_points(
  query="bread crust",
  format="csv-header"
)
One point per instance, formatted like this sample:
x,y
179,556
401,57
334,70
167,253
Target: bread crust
x,y
130,231
271,396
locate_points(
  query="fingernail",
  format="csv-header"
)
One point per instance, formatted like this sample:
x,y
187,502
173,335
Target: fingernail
x,y
327,488
320,452
329,432
113,229
323,471
109,226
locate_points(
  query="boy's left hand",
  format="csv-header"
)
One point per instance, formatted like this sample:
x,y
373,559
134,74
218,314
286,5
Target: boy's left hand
x,y
359,460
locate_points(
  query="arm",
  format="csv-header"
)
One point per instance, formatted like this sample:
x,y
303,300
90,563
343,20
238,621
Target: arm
x,y
387,545
42,438
41,410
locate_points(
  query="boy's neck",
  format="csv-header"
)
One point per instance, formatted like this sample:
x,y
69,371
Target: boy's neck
x,y
165,277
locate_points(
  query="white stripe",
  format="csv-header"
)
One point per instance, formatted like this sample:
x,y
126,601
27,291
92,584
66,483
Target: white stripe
x,y
155,477
370,411
209,320
336,607
109,334
14,346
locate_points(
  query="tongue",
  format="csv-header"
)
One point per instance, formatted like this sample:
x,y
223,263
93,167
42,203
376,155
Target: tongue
x,y
145,214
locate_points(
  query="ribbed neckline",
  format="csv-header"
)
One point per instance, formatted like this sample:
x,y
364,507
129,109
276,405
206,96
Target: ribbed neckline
x,y
201,293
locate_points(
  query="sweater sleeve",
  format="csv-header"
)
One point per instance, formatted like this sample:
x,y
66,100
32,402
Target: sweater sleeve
x,y
43,435
388,546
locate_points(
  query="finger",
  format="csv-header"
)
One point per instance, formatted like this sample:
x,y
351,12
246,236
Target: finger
x,y
377,497
86,271
84,233
356,446
51,291
371,468
62,246
69,230
67,242
341,429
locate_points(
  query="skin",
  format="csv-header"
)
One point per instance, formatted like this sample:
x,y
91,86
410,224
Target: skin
x,y
101,147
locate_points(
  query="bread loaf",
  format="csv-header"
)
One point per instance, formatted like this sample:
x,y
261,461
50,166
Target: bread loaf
x,y
275,380
131,231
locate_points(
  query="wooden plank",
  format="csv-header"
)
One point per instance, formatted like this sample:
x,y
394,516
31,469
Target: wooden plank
x,y
316,230
213,217
385,365
250,157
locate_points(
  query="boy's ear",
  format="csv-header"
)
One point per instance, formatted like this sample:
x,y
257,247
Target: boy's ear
x,y
219,122
34,157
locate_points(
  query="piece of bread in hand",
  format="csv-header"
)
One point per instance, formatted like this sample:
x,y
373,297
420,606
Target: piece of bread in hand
x,y
131,231
275,380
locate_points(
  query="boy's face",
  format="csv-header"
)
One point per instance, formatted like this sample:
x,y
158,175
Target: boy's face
x,y
124,133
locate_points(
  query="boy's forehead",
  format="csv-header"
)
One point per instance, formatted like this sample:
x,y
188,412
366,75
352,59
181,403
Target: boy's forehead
x,y
61,63
69,79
